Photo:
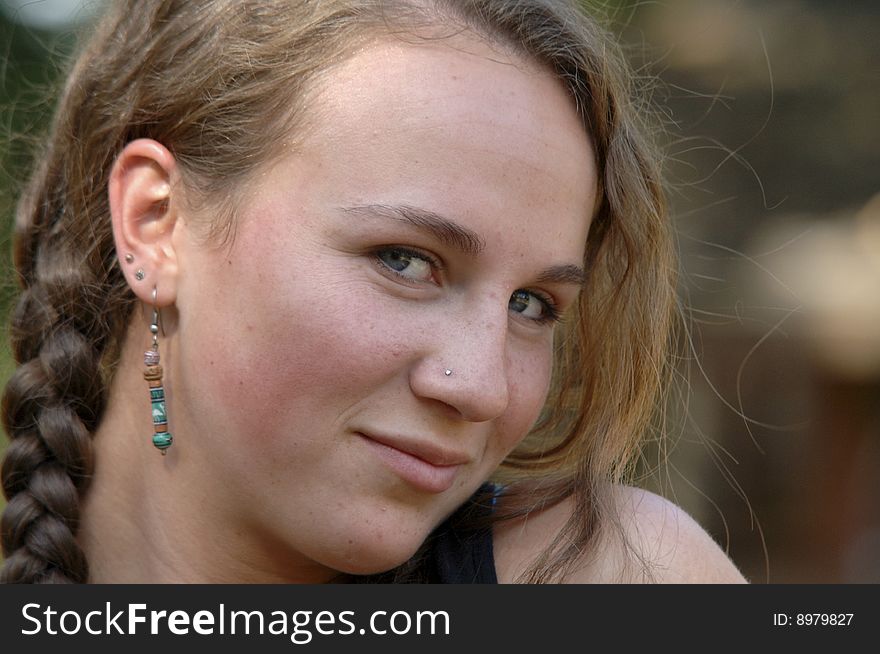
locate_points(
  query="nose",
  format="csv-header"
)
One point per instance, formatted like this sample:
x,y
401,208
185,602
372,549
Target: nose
x,y
467,369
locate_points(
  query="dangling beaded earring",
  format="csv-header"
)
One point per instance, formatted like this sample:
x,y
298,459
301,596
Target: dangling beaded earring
x,y
153,374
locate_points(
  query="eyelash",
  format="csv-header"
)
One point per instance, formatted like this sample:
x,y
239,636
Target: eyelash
x,y
551,312
552,315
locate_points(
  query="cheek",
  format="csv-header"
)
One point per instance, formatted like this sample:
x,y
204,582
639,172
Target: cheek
x,y
529,379
304,350
291,353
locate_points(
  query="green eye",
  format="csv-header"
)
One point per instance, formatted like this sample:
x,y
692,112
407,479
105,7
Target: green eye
x,y
534,307
406,263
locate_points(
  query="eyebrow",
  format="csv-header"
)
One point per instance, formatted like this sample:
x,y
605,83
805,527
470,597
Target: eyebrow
x,y
444,230
566,274
458,237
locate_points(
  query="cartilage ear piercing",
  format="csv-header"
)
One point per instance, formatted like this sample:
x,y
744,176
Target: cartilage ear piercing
x,y
153,374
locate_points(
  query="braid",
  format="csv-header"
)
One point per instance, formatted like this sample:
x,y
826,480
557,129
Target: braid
x,y
50,406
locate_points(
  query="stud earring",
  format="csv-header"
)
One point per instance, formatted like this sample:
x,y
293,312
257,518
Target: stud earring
x,y
129,258
153,375
139,275
448,373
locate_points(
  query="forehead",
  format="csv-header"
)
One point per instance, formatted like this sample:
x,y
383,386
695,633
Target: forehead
x,y
461,129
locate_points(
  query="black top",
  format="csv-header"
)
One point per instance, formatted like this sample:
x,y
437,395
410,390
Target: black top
x,y
458,556
463,560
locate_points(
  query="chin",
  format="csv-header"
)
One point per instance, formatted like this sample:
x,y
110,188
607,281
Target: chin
x,y
374,550
369,558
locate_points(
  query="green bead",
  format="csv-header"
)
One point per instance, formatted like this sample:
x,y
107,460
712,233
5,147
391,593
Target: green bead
x,y
159,415
162,441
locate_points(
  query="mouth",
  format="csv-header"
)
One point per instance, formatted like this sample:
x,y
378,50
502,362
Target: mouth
x,y
424,467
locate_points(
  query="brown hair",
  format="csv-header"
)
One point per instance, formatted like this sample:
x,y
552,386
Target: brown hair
x,y
206,78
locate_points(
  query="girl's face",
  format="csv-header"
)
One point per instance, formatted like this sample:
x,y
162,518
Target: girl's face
x,y
434,219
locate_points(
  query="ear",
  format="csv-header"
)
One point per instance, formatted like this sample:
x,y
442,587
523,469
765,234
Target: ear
x,y
144,210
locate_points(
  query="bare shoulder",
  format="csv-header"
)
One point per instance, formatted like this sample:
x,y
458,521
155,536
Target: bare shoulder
x,y
674,546
657,542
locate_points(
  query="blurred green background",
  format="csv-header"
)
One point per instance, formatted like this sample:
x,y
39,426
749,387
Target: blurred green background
x,y
770,114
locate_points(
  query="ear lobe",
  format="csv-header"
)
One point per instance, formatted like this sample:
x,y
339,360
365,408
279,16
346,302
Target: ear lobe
x,y
144,212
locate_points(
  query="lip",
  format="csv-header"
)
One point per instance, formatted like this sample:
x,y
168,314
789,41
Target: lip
x,y
423,465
